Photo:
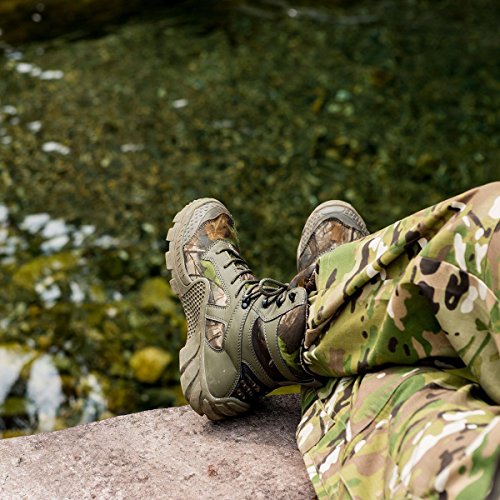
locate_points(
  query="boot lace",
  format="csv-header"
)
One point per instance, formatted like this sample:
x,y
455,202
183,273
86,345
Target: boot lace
x,y
273,290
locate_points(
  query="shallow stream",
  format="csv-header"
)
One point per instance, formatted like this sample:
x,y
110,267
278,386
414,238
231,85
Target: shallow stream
x,y
110,127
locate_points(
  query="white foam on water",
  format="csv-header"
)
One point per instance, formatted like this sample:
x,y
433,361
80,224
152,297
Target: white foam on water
x,y
24,68
77,294
80,234
54,244
52,74
34,126
9,110
48,291
131,148
10,245
56,227
180,103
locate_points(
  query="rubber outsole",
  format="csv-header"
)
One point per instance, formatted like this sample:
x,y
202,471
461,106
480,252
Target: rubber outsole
x,y
193,293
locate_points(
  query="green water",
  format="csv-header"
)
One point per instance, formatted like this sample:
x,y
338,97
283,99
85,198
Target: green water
x,y
271,107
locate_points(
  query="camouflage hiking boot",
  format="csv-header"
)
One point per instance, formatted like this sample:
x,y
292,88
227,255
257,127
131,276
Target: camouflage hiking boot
x,y
330,224
239,328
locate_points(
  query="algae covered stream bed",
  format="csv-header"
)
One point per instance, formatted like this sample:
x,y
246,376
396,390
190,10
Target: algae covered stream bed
x,y
272,107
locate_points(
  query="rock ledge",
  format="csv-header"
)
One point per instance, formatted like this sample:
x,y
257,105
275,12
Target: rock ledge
x,y
169,453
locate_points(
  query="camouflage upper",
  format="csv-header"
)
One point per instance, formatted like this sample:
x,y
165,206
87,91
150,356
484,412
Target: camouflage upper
x,y
219,228
329,225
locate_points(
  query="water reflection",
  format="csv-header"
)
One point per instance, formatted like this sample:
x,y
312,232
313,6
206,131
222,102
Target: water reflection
x,y
32,395
69,337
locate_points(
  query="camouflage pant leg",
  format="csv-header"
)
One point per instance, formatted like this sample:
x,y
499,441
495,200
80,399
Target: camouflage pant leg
x,y
401,433
422,291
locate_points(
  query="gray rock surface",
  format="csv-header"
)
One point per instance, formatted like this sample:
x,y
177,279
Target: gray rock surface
x,y
170,453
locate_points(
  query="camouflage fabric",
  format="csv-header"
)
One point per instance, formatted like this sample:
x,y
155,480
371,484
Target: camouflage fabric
x,y
405,326
401,433
221,227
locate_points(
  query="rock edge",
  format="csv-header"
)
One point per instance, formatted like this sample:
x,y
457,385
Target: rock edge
x,y
169,453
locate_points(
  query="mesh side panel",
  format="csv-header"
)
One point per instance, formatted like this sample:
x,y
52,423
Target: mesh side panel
x,y
191,302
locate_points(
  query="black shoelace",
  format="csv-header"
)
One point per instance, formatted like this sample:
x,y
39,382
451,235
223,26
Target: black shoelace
x,y
273,290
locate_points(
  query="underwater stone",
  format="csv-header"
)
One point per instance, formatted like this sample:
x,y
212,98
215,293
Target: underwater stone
x,y
156,294
148,364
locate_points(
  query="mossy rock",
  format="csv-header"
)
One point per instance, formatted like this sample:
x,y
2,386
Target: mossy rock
x,y
156,294
149,363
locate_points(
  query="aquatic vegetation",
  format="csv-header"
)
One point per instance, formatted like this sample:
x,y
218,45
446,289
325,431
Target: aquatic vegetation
x,y
73,348
271,107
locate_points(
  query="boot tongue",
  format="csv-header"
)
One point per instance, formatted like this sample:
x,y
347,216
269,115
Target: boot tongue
x,y
245,277
241,266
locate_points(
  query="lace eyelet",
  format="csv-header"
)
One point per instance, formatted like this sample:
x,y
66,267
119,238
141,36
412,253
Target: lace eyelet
x,y
265,303
292,296
244,304
279,302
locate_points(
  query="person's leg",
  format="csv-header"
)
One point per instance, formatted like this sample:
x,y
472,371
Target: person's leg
x,y
423,289
401,431
256,349
244,334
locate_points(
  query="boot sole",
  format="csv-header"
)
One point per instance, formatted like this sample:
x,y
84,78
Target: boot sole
x,y
192,361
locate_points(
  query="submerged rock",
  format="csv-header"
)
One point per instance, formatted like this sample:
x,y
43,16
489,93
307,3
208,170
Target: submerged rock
x,y
149,363
156,293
